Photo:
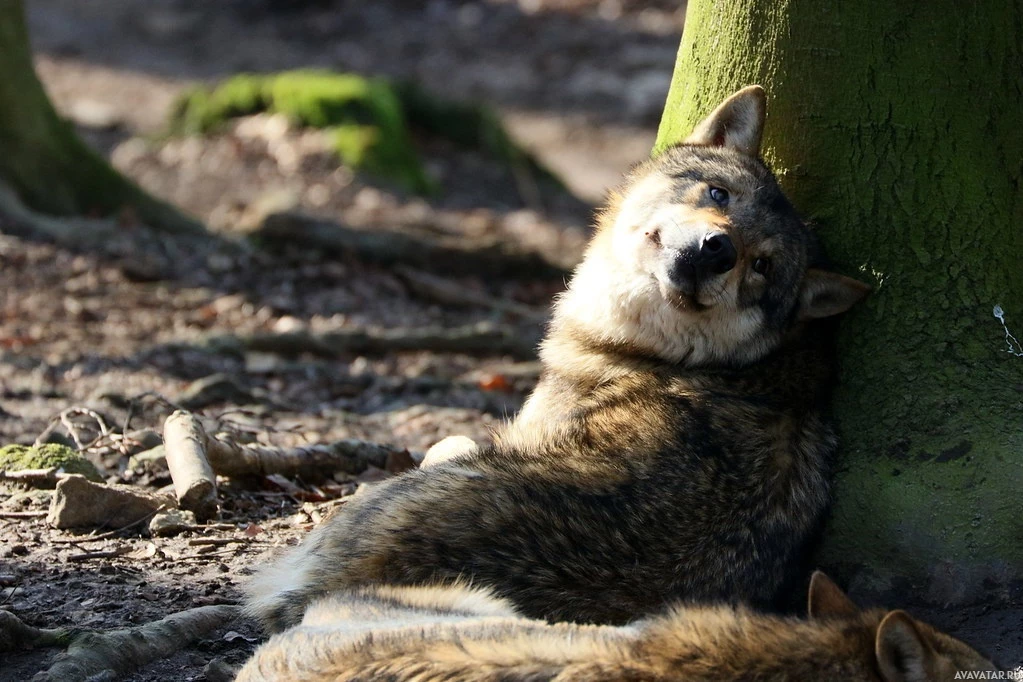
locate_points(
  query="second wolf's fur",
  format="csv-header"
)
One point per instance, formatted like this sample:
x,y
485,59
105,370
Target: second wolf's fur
x,y
457,634
675,447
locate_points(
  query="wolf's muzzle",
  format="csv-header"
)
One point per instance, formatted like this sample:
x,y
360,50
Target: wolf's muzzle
x,y
715,255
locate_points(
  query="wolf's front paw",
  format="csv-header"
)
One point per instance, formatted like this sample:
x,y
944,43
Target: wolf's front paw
x,y
449,448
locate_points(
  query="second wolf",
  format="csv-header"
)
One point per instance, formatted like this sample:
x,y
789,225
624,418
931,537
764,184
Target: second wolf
x,y
676,446
456,634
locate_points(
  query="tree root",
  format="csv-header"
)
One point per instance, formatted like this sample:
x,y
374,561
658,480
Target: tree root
x,y
492,256
120,651
140,254
64,231
477,339
15,634
444,291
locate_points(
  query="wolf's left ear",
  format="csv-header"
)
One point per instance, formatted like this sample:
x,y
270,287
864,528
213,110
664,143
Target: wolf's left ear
x,y
737,123
826,599
824,294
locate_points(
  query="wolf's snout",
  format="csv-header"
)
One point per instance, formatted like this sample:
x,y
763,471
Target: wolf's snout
x,y
715,255
718,253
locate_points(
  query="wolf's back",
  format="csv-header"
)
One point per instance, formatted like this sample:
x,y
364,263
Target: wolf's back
x,y
587,540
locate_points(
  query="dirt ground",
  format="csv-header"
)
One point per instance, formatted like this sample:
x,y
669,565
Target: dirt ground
x,y
578,82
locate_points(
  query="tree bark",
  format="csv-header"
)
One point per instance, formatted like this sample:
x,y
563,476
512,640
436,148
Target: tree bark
x,y
895,127
41,158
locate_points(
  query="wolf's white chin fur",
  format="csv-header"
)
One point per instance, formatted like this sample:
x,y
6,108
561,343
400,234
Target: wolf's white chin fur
x,y
615,304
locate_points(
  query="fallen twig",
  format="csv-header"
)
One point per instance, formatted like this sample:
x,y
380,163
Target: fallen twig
x,y
206,555
202,453
309,462
22,515
217,542
195,484
72,428
478,339
89,556
51,475
64,419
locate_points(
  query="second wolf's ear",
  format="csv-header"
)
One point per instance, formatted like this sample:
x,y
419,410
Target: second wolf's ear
x,y
902,654
737,123
826,599
824,294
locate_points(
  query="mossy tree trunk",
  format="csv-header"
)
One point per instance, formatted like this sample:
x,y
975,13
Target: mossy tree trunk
x,y
43,161
896,127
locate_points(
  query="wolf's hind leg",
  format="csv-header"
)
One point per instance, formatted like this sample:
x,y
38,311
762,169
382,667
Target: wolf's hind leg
x,y
277,596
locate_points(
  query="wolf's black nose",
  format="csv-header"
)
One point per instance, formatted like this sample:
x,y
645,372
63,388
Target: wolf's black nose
x,y
718,253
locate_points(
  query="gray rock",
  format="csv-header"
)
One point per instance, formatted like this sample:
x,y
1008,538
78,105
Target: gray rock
x,y
215,388
219,670
28,499
79,503
146,439
154,457
171,522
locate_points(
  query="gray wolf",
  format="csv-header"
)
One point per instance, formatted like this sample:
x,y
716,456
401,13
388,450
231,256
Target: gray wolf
x,y
676,446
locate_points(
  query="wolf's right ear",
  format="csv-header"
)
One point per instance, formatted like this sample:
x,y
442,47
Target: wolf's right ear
x,y
903,655
826,599
824,294
737,123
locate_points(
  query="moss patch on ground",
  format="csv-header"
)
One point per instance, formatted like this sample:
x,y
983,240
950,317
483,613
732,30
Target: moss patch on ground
x,y
49,455
371,121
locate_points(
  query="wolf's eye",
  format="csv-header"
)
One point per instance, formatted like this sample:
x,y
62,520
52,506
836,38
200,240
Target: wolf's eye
x,y
761,266
719,196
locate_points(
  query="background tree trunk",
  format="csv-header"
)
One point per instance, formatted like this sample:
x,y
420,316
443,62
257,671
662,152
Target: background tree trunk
x,y
43,161
895,127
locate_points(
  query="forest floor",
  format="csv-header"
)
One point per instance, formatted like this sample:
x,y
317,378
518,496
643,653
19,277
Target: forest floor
x,y
133,330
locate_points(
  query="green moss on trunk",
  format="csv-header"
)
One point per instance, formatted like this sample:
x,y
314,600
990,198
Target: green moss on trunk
x,y
43,160
894,128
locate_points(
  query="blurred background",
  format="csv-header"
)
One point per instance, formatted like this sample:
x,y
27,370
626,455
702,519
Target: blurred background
x,y
579,83
514,118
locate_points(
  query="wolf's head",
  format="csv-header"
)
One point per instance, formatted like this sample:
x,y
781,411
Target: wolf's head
x,y
699,257
905,649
